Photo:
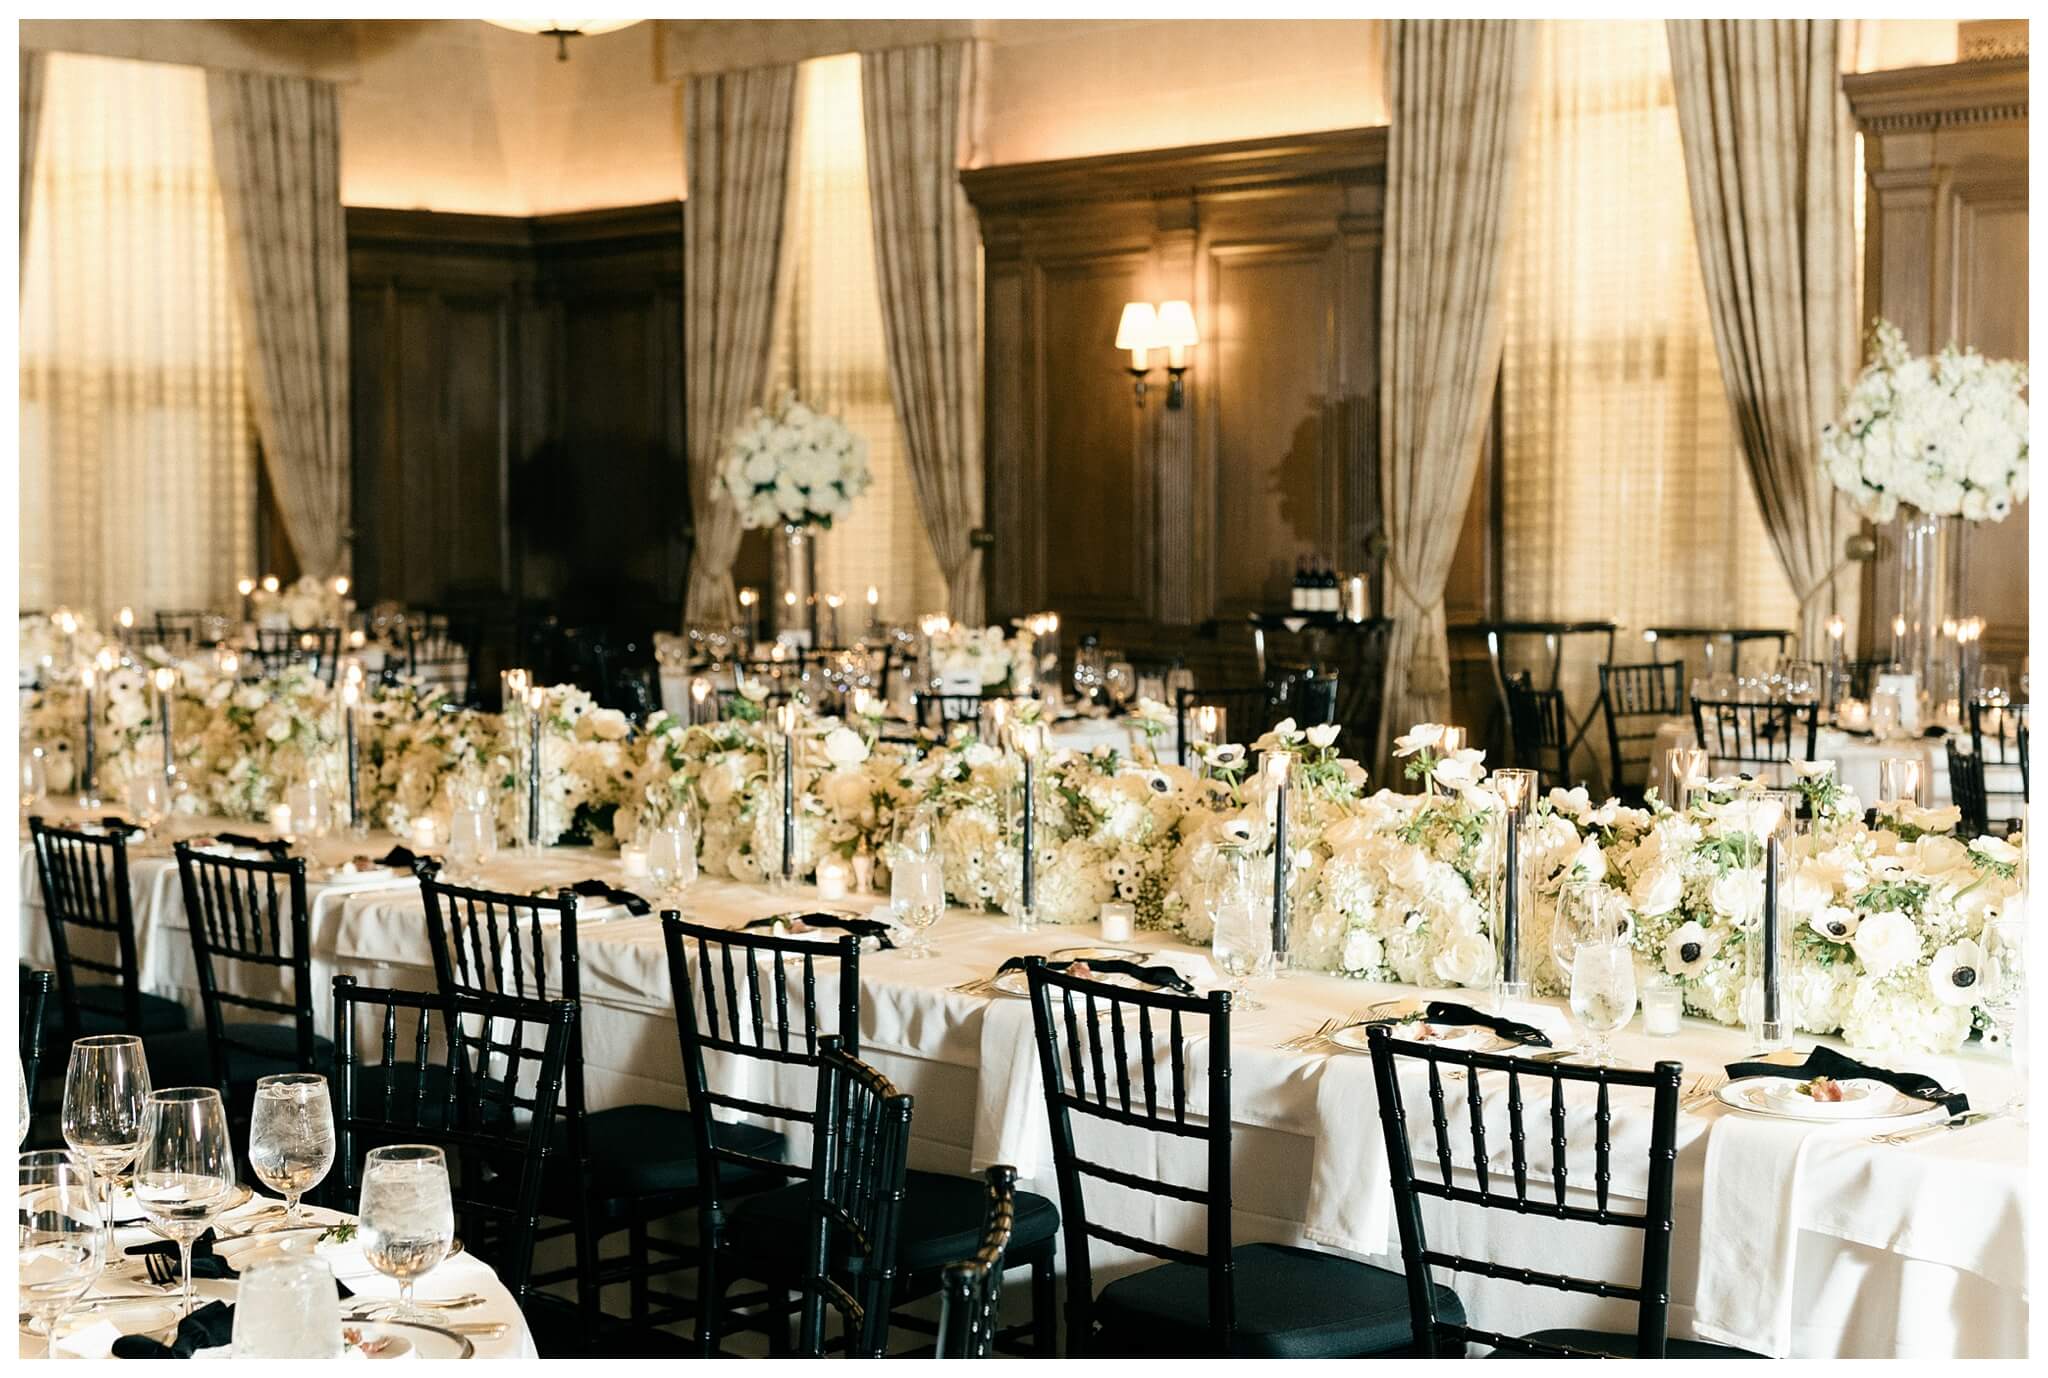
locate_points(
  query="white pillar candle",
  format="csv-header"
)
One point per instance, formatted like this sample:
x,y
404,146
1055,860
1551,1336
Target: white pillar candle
x,y
1119,920
423,833
633,860
281,818
833,876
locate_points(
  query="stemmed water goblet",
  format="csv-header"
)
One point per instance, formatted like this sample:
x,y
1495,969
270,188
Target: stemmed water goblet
x,y
186,1169
672,856
1240,941
1603,993
106,1096
61,1239
406,1217
291,1137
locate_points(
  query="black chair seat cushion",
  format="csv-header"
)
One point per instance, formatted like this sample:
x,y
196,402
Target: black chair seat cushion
x,y
640,1151
1291,1304
1623,1346
254,1051
99,1012
941,1222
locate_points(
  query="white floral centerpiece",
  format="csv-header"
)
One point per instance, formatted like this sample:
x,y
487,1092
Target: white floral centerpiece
x,y
984,657
794,467
1945,433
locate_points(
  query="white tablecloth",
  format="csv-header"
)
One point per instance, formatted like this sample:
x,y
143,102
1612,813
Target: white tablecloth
x,y
1856,762
1855,1226
84,1333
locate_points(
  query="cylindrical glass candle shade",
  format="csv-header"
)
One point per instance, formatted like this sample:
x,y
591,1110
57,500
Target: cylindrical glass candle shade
x,y
1899,779
1517,790
1663,1006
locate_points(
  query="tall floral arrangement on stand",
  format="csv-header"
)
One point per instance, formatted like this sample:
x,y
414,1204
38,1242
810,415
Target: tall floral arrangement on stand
x,y
1945,433
794,467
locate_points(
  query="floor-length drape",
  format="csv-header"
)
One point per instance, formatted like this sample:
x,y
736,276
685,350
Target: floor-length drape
x,y
1455,90
736,128
31,116
138,465
918,105
1769,155
277,148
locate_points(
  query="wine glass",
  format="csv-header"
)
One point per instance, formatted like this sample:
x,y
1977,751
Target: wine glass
x,y
286,1307
186,1169
35,778
407,1217
1994,685
149,796
291,1137
1603,990
1240,943
61,1239
672,856
1121,681
106,1092
917,896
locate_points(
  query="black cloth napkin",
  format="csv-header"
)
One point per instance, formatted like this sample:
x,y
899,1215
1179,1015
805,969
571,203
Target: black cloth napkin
x,y
205,1262
398,856
591,889
1164,977
276,846
1451,1012
860,928
115,824
1826,1062
208,1327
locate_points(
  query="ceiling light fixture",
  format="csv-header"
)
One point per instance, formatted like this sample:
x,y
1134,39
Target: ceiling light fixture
x,y
562,30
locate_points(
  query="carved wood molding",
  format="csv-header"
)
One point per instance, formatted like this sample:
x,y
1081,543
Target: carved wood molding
x,y
1925,98
1340,154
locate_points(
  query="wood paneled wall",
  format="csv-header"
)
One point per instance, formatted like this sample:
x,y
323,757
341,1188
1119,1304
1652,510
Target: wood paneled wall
x,y
517,409
1945,259
1149,524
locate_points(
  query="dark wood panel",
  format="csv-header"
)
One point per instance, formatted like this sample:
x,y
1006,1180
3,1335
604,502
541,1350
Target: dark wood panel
x,y
1272,312
1092,491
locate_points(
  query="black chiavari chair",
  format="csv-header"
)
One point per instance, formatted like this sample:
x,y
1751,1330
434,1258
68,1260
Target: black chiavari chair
x,y
971,1293
280,648
1439,1333
1306,693
1636,700
1861,675
84,878
940,712
1966,788
1759,740
250,932
752,997
612,1170
1247,713
1998,739
489,1105
1541,729
441,658
183,632
857,1185
1121,1057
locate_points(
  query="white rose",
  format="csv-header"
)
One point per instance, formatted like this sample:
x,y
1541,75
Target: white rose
x,y
1362,951
1465,960
845,747
1885,942
1736,894
1657,891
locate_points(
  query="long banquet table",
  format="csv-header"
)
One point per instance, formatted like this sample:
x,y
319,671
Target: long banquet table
x,y
1789,1239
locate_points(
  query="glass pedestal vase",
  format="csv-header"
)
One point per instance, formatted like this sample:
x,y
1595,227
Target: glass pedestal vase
x,y
796,608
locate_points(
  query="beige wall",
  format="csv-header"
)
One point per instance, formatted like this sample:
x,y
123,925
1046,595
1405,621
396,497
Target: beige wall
x,y
457,115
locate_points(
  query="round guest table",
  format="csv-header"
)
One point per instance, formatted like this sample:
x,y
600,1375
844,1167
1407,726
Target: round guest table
x,y
1790,1239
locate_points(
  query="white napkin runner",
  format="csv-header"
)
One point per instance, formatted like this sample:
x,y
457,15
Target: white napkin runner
x,y
1749,1229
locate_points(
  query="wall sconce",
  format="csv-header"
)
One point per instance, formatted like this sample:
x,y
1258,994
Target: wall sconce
x,y
1170,326
1135,332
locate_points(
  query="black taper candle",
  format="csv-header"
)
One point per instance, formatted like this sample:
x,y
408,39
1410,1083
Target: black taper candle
x,y
1280,869
1030,826
87,793
789,805
1510,937
1772,858
533,772
355,805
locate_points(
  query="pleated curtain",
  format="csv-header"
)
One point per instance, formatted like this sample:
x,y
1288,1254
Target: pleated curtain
x,y
918,105
31,117
277,145
736,129
1456,91
1769,156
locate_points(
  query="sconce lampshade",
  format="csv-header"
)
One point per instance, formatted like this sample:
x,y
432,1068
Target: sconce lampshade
x,y
1139,328
1176,326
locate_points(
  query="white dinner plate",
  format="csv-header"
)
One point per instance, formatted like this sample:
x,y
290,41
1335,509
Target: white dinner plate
x,y
1457,1037
402,1340
1772,1098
